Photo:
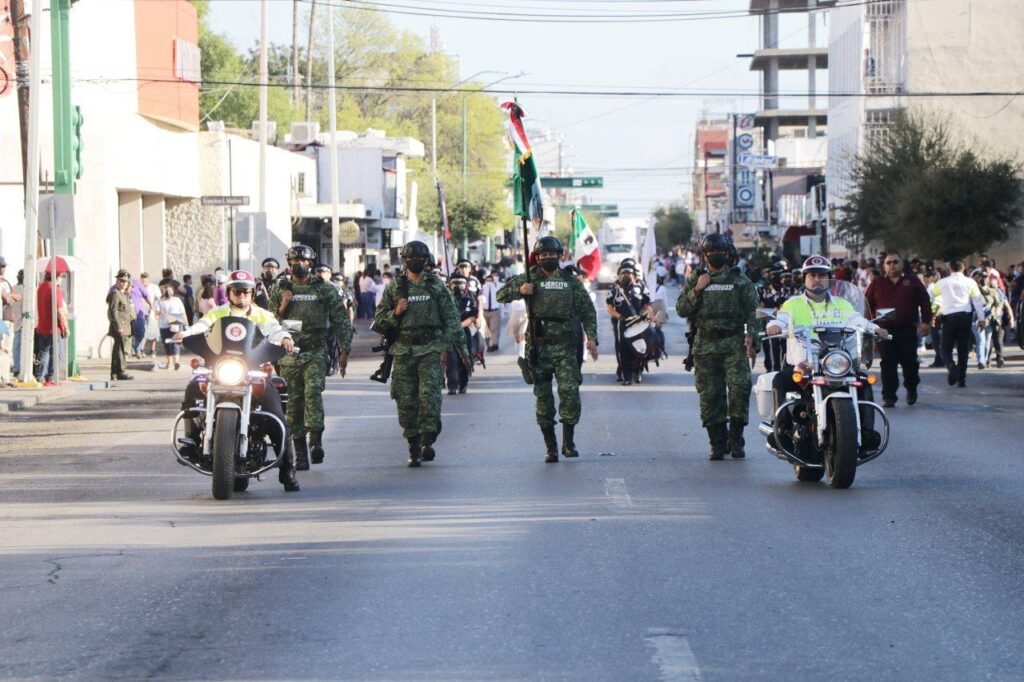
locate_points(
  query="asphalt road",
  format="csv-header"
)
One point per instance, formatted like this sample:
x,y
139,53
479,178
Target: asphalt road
x,y
639,561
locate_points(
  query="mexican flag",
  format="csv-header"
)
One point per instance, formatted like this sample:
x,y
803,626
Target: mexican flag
x,y
525,178
584,247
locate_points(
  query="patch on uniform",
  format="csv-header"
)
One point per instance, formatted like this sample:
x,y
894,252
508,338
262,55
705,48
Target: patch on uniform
x,y
235,331
419,298
303,297
720,287
554,285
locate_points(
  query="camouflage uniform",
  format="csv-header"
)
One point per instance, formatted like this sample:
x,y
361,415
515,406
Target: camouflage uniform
x,y
560,303
725,313
429,325
317,305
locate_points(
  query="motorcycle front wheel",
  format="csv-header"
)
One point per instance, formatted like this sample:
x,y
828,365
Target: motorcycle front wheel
x,y
225,448
841,444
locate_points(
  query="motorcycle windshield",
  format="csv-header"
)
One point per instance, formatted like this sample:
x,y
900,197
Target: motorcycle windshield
x,y
851,293
234,336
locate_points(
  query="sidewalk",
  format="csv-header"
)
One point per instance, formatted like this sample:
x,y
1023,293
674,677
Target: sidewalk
x,y
95,375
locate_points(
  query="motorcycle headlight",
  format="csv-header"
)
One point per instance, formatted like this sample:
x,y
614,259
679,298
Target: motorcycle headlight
x,y
230,371
837,364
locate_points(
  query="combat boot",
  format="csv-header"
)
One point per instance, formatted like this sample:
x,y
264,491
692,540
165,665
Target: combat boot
x,y
717,438
316,447
568,446
286,474
551,443
428,454
301,453
736,441
415,452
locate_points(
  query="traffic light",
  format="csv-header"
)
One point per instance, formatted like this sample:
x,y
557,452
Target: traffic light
x,y
591,182
76,142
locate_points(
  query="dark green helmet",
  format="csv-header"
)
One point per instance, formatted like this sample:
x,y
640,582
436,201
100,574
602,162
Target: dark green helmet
x,y
715,242
415,249
548,245
300,252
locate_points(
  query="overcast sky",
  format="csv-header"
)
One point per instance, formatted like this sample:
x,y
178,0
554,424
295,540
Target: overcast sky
x,y
605,135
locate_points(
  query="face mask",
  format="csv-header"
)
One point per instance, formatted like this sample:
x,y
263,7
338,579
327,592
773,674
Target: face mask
x,y
415,266
717,260
300,271
549,264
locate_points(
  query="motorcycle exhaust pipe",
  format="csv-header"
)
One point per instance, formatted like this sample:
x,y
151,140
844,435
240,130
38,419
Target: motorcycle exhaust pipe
x,y
765,429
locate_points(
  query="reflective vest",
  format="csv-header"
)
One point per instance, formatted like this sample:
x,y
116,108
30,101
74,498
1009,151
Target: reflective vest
x,y
803,312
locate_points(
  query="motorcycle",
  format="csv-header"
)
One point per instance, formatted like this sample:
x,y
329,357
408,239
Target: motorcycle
x,y
234,367
827,428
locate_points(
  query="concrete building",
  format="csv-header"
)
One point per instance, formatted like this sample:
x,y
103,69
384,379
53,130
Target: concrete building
x,y
710,200
889,50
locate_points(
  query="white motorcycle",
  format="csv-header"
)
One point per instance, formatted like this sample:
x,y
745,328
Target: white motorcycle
x,y
830,425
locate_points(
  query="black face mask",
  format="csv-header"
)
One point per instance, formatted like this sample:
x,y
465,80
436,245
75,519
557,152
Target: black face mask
x,y
717,260
269,276
415,266
549,264
300,271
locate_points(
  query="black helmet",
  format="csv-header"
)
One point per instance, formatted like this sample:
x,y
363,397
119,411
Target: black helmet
x,y
548,244
300,252
715,242
415,249
271,261
627,262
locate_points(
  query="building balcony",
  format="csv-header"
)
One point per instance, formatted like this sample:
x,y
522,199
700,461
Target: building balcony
x,y
791,117
790,59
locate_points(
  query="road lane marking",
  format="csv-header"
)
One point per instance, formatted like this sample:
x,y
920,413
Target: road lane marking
x,y
673,656
615,489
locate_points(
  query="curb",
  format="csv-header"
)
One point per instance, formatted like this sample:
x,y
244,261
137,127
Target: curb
x,y
33,400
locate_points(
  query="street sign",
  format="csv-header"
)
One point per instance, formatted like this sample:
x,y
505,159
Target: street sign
x,y
572,183
744,141
745,122
599,208
214,200
57,217
348,232
756,160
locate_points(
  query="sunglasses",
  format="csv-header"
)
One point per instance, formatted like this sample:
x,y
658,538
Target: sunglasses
x,y
893,262
240,292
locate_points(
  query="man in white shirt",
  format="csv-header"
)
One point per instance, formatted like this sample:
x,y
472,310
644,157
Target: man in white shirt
x,y
492,311
960,300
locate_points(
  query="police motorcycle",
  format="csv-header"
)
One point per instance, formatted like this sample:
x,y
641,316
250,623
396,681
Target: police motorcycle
x,y
830,425
236,436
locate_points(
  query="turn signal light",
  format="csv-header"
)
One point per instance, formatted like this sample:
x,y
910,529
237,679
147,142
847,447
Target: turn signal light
x,y
195,363
798,377
267,367
872,379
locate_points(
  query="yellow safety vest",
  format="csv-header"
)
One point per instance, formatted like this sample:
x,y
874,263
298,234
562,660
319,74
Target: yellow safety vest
x,y
803,312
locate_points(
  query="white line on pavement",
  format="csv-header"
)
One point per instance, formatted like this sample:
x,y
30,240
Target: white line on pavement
x,y
673,656
615,489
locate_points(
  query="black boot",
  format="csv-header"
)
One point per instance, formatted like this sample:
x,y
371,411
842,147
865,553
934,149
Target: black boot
x,y
551,443
415,452
736,441
428,453
316,447
568,446
286,473
301,454
717,438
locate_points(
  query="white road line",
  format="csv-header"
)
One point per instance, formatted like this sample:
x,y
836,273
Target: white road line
x,y
673,656
615,489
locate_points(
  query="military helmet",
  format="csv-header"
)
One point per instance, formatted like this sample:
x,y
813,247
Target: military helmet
x,y
300,252
415,249
816,264
715,242
548,244
627,262
270,262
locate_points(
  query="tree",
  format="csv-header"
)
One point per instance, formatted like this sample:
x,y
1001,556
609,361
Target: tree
x,y
673,226
918,190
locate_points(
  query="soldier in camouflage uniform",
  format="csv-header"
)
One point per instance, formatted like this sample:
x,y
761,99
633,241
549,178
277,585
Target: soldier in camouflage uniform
x,y
558,304
427,323
316,304
722,304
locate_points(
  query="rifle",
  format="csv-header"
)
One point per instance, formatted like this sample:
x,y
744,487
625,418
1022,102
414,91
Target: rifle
x,y
388,339
442,212
526,365
691,335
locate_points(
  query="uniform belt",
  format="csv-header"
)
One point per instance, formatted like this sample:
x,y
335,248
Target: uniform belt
x,y
315,343
718,334
418,336
555,339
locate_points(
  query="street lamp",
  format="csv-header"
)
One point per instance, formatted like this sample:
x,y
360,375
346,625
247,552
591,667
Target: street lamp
x,y
433,117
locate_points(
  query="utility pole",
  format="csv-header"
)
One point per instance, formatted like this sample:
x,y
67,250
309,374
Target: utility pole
x,y
31,201
263,128
333,123
21,57
295,52
309,58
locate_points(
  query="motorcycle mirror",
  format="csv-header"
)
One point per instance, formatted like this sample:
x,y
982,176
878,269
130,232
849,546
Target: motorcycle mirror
x,y
292,325
765,313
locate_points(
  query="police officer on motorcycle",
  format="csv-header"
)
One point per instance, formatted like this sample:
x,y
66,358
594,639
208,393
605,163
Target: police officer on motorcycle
x,y
241,287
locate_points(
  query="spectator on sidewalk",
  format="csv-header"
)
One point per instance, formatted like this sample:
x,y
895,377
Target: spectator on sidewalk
x,y
911,319
366,295
492,312
206,301
935,296
188,298
120,317
220,290
152,331
172,321
17,309
960,299
8,300
46,349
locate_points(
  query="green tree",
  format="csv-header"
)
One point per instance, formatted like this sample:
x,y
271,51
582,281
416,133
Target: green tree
x,y
673,226
918,190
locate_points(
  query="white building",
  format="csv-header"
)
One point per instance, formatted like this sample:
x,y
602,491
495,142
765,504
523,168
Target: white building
x,y
889,50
